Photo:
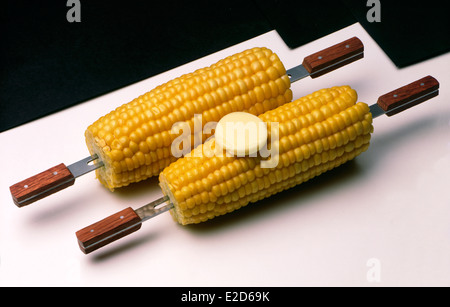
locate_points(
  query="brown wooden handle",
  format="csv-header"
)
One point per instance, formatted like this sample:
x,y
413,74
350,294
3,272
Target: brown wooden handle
x,y
108,230
41,185
331,58
409,95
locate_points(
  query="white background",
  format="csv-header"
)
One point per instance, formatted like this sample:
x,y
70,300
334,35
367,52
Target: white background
x,y
380,220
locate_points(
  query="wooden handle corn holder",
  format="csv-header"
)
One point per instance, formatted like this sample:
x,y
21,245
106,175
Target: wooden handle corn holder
x,y
316,133
132,143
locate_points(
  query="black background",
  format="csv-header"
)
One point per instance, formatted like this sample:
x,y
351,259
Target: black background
x,y
48,64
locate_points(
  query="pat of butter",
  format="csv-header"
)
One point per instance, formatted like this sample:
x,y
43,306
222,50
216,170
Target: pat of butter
x,y
241,134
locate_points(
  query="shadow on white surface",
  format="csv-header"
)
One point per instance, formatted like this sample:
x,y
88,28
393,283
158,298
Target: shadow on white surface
x,y
384,142
126,245
55,210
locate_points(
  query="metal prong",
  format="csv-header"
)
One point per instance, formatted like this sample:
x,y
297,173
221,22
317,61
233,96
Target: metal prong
x,y
82,167
296,73
376,110
150,210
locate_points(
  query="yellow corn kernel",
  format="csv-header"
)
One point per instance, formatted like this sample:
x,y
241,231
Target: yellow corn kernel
x,y
134,140
316,133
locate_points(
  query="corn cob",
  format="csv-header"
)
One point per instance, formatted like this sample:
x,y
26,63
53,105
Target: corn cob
x,y
134,141
316,133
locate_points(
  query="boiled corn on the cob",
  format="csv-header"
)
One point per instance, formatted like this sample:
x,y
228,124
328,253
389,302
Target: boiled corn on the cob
x,y
134,141
316,133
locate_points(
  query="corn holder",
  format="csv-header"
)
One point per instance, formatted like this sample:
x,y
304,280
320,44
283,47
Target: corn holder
x,y
316,133
133,142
